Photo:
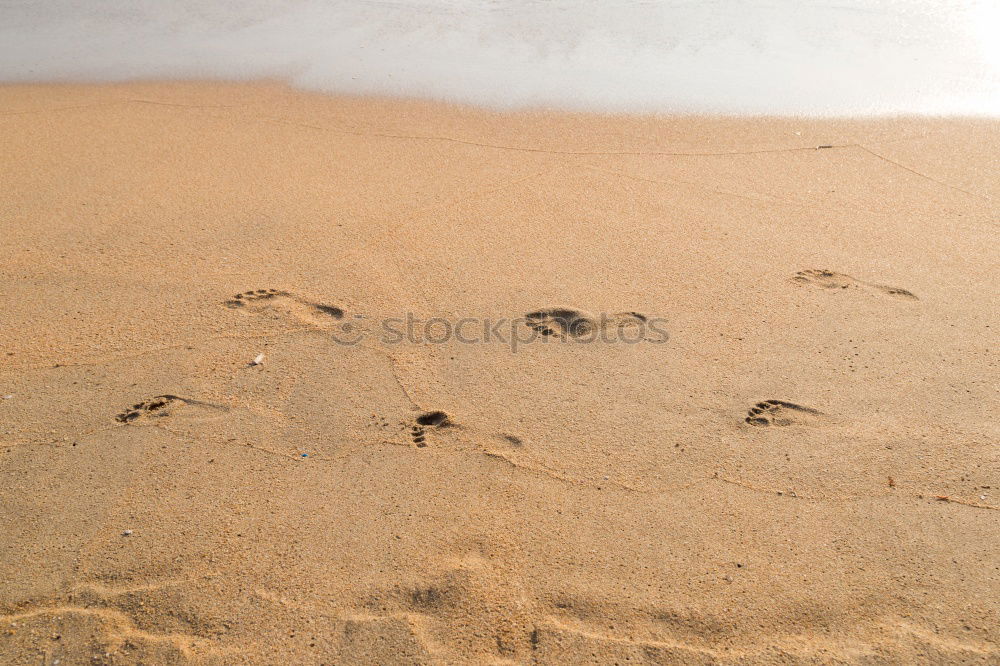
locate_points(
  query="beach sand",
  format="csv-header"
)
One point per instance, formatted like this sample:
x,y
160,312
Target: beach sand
x,y
803,469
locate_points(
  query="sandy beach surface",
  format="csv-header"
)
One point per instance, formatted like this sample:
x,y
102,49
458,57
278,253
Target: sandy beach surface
x,y
210,452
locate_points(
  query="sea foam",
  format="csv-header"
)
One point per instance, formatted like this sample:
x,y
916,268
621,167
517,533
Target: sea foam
x,y
843,57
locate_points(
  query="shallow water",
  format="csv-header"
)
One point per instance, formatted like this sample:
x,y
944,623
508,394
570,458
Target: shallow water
x,y
730,56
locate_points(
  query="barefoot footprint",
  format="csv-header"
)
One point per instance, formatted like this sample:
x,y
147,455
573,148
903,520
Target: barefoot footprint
x,y
165,405
825,279
561,321
161,405
779,413
283,303
565,322
436,419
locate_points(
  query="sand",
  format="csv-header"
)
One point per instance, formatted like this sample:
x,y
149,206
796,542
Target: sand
x,y
802,469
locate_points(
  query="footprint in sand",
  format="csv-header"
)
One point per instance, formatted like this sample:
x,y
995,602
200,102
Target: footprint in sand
x,y
825,279
512,440
780,413
428,420
283,303
160,406
564,322
561,321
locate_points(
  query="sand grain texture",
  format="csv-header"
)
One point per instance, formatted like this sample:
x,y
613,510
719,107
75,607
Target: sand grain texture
x,y
805,471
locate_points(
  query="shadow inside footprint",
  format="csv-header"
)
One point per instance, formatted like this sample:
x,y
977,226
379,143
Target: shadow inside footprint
x,y
163,405
560,321
160,405
513,440
331,310
244,298
779,413
435,419
897,292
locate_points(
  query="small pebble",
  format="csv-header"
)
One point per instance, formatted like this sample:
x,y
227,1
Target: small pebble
x,y
982,497
258,360
127,533
305,455
8,397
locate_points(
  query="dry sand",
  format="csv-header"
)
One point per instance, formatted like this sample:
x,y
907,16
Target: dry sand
x,y
582,503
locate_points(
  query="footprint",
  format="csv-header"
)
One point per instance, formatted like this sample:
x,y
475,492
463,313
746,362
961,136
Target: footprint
x,y
572,323
561,321
825,279
436,419
285,303
160,406
633,326
513,440
779,413
433,594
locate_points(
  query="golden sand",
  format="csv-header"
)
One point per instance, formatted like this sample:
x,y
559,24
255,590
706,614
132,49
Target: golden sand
x,y
805,471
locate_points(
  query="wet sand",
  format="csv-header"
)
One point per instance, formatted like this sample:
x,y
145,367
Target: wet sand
x,y
209,452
